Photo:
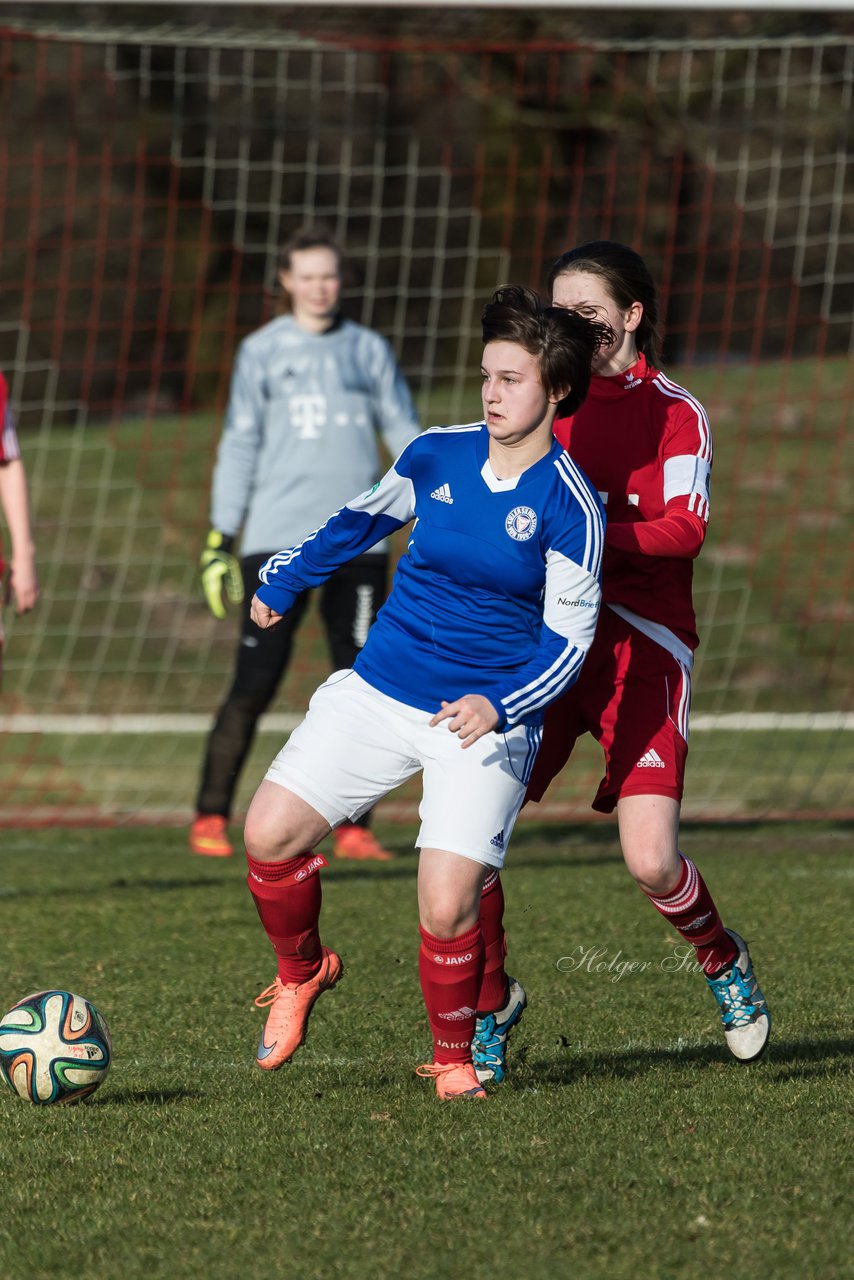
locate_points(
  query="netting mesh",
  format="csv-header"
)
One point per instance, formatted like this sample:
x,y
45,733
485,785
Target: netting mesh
x,y
146,182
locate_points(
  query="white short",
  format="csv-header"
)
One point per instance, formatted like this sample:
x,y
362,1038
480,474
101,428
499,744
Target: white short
x,y
356,744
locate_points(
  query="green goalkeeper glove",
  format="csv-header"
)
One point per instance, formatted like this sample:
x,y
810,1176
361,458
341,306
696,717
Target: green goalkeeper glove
x,y
219,572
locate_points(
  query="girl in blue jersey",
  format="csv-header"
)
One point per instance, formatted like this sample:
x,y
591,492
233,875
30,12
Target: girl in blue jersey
x,y
492,609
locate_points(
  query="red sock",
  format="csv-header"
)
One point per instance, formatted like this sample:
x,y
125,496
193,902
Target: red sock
x,y
690,908
450,970
494,987
287,895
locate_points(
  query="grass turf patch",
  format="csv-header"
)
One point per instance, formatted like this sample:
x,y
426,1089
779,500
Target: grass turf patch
x,y
625,1142
154,777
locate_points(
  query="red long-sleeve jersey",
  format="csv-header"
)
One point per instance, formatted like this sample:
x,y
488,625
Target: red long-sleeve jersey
x,y
646,445
9,448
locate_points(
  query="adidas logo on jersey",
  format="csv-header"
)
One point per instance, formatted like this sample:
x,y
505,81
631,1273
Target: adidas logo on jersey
x,y
651,760
442,494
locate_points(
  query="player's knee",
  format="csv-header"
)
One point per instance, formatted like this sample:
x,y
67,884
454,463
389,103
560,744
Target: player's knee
x,y
655,870
447,920
649,836
267,840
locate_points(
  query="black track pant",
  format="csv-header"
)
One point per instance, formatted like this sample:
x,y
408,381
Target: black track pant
x,y
348,605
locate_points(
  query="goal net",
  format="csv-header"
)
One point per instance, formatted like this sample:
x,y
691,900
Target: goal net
x,y
147,178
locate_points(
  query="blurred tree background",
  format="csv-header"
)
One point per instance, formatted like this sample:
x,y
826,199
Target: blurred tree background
x,y
160,164
154,157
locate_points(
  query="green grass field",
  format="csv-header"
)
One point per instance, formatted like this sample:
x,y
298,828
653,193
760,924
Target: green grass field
x,y
132,777
121,512
625,1144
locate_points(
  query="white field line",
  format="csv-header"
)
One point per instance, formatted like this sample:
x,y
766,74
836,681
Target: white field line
x,y
738,721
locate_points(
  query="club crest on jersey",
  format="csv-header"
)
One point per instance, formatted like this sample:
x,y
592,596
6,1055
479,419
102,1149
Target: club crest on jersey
x,y
521,524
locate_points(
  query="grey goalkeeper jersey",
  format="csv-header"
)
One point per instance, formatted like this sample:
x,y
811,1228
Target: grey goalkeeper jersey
x,y
300,435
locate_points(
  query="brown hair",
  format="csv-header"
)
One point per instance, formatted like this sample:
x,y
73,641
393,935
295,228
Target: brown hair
x,y
305,238
627,279
563,342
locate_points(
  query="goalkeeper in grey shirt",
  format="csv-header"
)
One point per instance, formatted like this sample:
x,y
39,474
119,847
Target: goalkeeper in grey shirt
x,y
309,393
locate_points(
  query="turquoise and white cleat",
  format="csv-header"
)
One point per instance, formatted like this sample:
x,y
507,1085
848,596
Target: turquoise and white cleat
x,y
744,1012
489,1046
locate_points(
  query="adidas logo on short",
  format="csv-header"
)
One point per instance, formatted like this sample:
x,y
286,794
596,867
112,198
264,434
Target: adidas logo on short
x,y
498,840
651,760
442,494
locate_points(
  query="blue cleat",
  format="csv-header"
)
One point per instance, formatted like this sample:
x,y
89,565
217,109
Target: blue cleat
x,y
489,1046
744,1013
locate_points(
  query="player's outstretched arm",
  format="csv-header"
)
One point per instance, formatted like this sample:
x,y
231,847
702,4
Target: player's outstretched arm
x,y
361,523
15,505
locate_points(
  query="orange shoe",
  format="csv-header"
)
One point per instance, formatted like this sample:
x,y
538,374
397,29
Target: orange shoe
x,y
209,836
453,1079
290,1004
350,841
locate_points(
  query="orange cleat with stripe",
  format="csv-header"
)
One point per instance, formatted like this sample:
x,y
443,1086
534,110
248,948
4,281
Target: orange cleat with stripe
x,y
209,836
290,1004
350,841
453,1079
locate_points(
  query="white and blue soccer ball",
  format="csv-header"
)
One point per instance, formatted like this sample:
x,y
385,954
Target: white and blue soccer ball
x,y
54,1047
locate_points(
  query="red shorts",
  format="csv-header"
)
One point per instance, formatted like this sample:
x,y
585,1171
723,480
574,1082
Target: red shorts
x,y
633,697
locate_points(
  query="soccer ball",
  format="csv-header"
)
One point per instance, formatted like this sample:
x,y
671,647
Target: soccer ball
x,y
54,1047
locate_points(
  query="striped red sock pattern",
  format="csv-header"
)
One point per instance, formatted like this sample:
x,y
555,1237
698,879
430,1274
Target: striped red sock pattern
x,y
691,910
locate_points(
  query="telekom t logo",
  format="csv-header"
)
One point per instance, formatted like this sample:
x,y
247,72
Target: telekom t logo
x,y
308,414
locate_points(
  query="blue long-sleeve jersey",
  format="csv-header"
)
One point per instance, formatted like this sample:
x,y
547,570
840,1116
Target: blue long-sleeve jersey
x,y
498,591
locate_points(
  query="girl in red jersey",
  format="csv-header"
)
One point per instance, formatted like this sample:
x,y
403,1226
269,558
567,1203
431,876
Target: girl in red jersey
x,y
645,444
14,503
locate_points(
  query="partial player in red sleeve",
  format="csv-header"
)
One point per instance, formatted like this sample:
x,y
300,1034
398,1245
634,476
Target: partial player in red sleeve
x,y
18,578
645,444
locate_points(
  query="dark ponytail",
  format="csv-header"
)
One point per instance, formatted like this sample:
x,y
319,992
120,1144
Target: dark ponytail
x,y
627,279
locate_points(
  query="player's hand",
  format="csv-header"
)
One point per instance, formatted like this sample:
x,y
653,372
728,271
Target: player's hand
x,y
470,717
262,615
23,583
219,572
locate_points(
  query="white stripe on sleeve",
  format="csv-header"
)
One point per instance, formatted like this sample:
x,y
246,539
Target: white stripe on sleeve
x,y
686,475
570,608
571,600
595,531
